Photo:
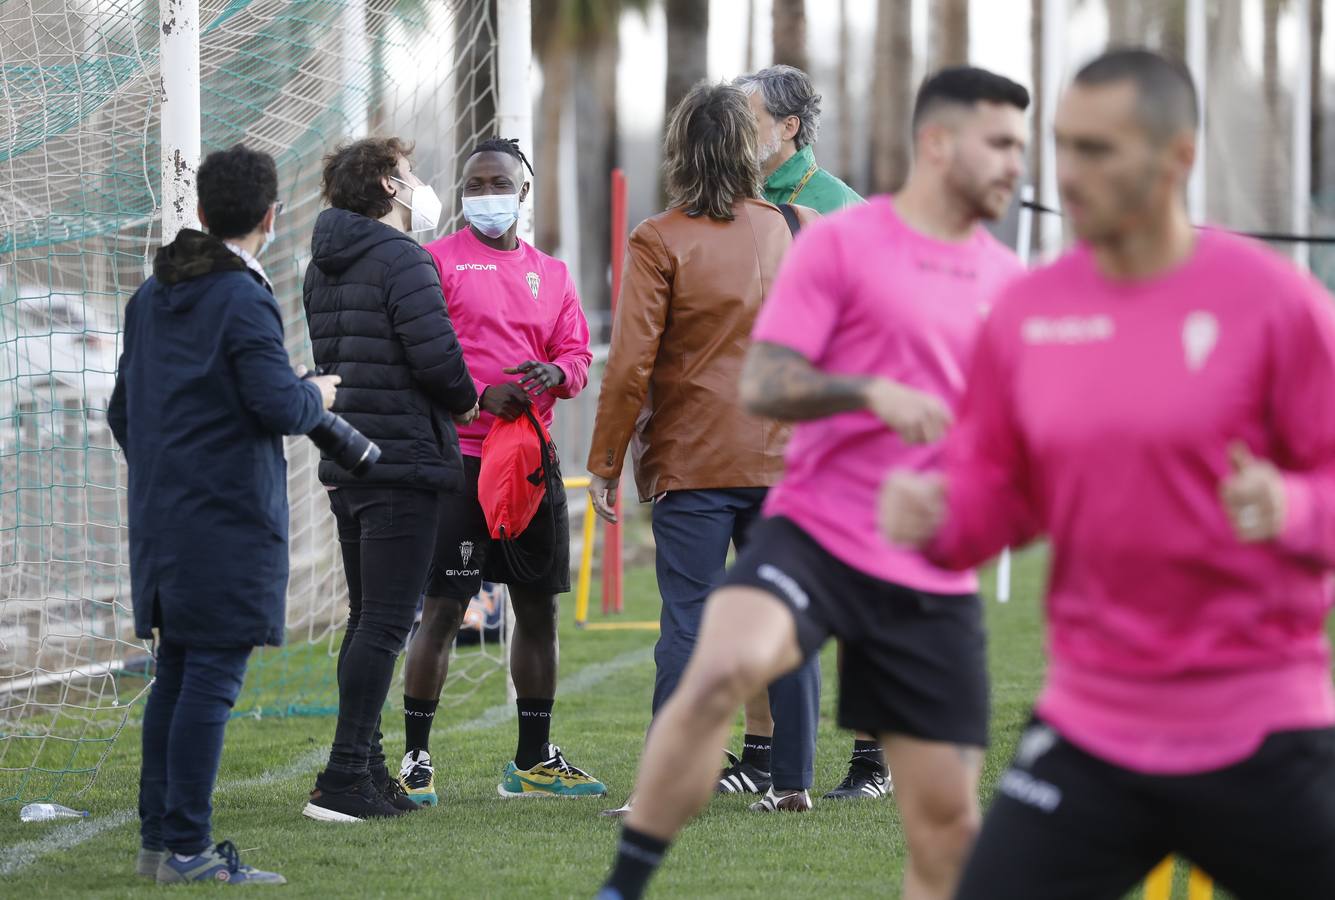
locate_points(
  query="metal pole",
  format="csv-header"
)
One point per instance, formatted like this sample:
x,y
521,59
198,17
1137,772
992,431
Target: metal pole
x,y
1198,63
514,93
1054,60
179,99
1302,130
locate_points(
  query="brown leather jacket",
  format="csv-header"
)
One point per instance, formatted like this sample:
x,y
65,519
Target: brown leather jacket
x,y
692,289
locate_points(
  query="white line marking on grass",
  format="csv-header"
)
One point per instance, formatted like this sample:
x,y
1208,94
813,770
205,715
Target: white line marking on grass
x,y
65,837
22,855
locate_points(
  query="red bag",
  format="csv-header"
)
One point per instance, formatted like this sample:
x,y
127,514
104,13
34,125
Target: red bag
x,y
518,460
515,467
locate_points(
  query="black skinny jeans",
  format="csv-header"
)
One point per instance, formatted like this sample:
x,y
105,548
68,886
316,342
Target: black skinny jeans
x,y
387,535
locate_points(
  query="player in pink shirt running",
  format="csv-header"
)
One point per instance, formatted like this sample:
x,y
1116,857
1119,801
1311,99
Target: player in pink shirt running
x,y
1161,403
864,341
526,343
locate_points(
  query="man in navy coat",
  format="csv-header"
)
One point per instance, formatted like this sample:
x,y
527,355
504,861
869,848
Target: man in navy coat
x,y
204,394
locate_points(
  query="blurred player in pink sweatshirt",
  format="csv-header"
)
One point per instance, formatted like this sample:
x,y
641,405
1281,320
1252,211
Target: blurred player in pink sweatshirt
x,y
1161,403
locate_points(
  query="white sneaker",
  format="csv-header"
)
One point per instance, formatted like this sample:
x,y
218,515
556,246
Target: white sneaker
x,y
787,801
418,778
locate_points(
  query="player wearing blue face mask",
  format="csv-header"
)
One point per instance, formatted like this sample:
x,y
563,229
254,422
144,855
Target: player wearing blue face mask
x,y
526,342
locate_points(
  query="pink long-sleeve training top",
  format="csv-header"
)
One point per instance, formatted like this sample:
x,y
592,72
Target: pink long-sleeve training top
x,y
510,306
1100,413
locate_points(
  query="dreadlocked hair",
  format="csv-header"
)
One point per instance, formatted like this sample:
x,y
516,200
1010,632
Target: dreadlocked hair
x,y
508,146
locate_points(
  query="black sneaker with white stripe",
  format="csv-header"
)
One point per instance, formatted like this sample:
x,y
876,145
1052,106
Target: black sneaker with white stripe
x,y
864,781
741,777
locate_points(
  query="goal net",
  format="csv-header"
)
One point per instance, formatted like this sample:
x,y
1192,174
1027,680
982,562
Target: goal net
x,y
79,224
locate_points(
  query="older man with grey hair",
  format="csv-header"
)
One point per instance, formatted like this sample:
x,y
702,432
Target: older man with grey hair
x,y
787,109
781,755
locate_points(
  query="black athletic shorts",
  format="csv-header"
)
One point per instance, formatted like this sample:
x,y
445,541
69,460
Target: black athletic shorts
x,y
466,555
1065,824
914,663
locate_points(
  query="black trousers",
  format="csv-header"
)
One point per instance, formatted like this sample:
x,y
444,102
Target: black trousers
x,y
387,535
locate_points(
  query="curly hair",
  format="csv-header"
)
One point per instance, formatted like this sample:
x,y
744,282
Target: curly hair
x,y
709,154
352,173
236,187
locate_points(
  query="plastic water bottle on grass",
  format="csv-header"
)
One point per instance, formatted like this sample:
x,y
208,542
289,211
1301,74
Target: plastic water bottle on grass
x,y
45,812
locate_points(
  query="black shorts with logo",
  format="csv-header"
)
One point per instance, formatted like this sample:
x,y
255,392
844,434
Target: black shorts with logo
x,y
1066,824
914,663
466,555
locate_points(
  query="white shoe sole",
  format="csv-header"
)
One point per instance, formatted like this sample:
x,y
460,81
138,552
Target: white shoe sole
x,y
320,814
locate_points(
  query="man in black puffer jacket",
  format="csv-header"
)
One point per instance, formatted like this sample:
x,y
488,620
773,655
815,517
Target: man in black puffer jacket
x,y
377,319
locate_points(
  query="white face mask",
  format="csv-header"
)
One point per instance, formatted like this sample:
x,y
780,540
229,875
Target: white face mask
x,y
269,235
493,214
425,206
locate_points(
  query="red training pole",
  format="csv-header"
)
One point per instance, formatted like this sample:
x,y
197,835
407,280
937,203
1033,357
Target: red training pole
x,y
612,596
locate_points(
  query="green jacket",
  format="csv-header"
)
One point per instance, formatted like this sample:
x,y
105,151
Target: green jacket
x,y
823,192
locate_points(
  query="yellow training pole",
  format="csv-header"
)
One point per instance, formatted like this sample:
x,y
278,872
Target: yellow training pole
x,y
1159,883
585,557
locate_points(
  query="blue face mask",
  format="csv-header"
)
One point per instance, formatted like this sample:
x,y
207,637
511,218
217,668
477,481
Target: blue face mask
x,y
493,215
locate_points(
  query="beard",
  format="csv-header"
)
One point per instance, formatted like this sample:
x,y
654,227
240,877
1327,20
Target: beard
x,y
770,148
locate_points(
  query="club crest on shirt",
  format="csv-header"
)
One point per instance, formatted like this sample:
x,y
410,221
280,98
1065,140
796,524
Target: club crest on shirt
x,y
533,283
1200,333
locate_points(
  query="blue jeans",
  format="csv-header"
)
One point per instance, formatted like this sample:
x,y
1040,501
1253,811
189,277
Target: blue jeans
x,y
692,530
184,720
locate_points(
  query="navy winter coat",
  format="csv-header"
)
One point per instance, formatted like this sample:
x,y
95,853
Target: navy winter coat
x,y
377,320
204,392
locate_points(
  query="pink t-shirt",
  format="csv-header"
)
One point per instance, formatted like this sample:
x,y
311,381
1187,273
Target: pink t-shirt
x,y
1101,413
510,306
860,293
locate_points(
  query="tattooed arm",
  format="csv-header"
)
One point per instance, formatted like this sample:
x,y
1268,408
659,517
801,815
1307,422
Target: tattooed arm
x,y
780,383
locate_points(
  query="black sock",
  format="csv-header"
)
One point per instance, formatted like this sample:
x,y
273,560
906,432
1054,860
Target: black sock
x,y
869,752
755,750
418,715
535,727
638,857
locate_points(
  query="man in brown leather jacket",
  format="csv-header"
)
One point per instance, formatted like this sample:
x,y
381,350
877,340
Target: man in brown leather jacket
x,y
696,276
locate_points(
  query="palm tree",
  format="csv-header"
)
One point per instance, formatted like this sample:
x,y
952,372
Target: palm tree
x,y
1273,96
1126,22
687,48
950,33
575,42
789,21
841,96
892,94
1037,107
1317,26
750,35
